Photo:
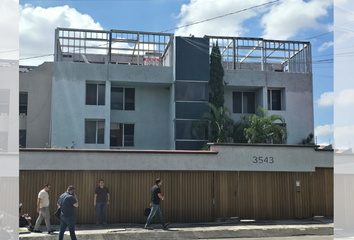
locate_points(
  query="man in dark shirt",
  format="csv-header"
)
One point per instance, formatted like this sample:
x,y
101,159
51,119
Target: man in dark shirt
x,y
68,202
155,204
100,201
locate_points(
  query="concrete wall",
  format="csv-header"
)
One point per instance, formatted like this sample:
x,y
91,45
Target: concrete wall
x,y
38,84
298,97
222,157
151,103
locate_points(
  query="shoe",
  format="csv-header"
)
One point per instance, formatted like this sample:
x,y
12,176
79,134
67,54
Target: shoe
x,y
97,223
37,231
150,228
51,231
166,224
104,223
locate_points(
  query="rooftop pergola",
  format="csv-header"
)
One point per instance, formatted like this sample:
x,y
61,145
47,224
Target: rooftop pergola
x,y
286,56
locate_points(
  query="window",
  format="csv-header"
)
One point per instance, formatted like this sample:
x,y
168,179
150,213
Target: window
x,y
22,138
122,135
122,98
95,93
243,102
4,101
23,103
94,131
192,91
187,129
274,99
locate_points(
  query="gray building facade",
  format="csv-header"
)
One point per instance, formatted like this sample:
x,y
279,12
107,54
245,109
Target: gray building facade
x,y
144,90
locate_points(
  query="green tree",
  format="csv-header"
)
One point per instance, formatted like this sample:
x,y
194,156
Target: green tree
x,y
216,84
264,129
216,126
308,140
239,130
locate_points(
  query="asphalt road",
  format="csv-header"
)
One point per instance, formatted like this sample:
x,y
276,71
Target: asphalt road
x,y
284,238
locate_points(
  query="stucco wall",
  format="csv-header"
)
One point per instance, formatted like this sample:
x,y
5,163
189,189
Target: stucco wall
x,y
221,158
38,84
151,115
298,89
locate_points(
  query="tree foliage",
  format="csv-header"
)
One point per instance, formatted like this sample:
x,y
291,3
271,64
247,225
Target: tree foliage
x,y
216,83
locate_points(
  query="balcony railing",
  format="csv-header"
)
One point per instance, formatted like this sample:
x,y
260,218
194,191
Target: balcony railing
x,y
114,46
264,55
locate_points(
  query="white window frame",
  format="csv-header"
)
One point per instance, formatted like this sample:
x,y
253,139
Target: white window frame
x,y
96,83
123,142
96,120
270,99
242,112
124,98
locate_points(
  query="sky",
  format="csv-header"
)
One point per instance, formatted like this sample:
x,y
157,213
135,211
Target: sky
x,y
307,20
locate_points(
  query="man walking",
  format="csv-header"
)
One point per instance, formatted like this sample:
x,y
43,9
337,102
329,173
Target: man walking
x,y
155,204
68,202
100,201
43,209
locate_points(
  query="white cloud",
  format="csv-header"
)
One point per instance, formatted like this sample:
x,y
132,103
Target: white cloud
x,y
280,20
325,46
326,99
198,10
344,132
346,97
37,28
9,29
286,19
324,130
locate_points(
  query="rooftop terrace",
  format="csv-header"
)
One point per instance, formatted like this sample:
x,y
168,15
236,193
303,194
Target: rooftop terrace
x,y
156,49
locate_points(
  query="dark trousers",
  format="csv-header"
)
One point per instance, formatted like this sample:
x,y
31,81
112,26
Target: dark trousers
x,y
101,207
67,222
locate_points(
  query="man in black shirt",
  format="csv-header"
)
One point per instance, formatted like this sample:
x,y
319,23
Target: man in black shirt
x,y
155,204
100,200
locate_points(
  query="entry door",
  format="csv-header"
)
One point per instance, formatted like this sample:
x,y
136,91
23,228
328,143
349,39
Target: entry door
x,y
226,194
302,189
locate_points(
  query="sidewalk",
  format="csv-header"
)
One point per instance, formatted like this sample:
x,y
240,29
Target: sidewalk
x,y
211,230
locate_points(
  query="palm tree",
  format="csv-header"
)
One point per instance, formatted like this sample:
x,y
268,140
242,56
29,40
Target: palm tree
x,y
217,123
264,129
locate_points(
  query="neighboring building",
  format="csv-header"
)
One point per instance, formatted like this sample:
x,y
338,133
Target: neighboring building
x,y
140,90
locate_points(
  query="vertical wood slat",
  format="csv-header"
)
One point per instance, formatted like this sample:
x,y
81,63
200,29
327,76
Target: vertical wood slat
x,y
189,195
129,192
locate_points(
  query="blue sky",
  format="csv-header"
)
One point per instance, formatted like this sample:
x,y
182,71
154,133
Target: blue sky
x,y
289,19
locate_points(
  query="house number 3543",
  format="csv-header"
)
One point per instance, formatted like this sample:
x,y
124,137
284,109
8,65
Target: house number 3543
x,y
261,160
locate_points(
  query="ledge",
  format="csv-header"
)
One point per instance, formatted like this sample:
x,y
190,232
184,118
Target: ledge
x,y
117,151
262,145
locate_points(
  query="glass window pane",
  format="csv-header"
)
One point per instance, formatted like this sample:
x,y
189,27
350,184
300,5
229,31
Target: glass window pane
x,y
130,99
269,106
116,98
186,129
248,102
100,132
237,102
276,100
90,132
101,94
91,94
22,138
116,136
129,135
190,91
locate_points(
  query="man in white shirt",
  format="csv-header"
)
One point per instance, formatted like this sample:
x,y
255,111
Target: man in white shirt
x,y
43,209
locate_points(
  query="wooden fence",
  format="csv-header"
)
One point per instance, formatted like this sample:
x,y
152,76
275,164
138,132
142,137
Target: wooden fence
x,y
190,196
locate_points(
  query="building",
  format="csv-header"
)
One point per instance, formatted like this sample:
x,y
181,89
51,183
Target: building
x,y
142,90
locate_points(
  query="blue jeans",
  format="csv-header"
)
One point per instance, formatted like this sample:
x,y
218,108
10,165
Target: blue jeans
x,y
67,222
101,206
155,210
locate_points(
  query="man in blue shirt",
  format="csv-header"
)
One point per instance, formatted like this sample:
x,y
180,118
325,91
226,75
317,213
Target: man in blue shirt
x,y
155,204
68,202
